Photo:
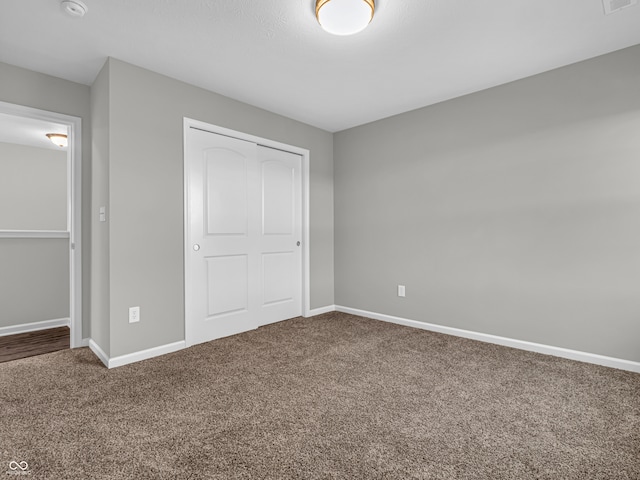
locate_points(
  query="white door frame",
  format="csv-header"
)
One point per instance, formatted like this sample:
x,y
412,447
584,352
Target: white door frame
x,y
74,208
304,153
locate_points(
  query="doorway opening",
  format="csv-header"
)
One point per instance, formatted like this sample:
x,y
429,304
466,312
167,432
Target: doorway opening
x,y
40,222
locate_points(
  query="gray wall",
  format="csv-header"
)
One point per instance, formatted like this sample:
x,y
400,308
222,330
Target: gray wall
x,y
36,90
33,188
513,211
34,280
100,322
145,201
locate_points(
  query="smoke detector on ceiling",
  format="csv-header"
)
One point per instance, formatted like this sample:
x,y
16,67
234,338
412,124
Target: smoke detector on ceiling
x,y
613,6
75,8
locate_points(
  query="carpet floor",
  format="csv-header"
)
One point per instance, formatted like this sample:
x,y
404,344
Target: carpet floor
x,y
334,396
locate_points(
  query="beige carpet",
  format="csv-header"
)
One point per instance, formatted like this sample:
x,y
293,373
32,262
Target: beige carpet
x,y
335,396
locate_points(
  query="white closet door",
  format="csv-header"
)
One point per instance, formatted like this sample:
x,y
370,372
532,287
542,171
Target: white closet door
x,y
244,225
281,233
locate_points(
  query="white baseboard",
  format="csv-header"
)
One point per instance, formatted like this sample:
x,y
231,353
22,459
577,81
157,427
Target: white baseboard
x,y
136,356
319,311
32,327
146,354
507,342
85,342
95,348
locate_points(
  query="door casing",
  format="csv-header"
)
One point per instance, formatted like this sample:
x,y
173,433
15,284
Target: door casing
x,y
304,153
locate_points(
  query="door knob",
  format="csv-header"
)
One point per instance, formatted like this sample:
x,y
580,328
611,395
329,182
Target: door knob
x,y
196,247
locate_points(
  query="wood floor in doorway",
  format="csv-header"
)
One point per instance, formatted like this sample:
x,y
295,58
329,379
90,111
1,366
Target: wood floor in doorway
x,y
22,345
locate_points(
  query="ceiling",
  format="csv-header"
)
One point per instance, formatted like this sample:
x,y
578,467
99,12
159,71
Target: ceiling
x,y
29,131
273,54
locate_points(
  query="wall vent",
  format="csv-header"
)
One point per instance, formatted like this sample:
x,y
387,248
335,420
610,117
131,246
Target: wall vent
x,y
613,6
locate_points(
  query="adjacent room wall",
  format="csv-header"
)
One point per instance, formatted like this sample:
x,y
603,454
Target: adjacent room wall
x,y
34,273
36,90
34,280
513,211
33,188
146,198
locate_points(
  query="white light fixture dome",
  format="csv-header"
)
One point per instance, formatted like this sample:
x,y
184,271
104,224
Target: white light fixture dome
x,y
59,139
344,17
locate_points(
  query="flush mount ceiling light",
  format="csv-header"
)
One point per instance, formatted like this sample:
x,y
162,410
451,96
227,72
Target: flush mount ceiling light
x,y
75,8
344,17
59,139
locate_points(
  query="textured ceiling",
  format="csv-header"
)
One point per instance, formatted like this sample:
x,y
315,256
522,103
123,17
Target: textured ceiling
x,y
273,54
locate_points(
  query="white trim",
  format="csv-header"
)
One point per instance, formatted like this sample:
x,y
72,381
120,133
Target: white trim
x,y
146,354
75,229
35,326
612,362
74,206
304,153
95,348
320,311
306,237
85,342
33,234
185,227
136,356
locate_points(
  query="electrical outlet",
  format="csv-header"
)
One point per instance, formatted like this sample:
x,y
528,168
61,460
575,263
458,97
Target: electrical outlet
x,y
401,291
134,314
